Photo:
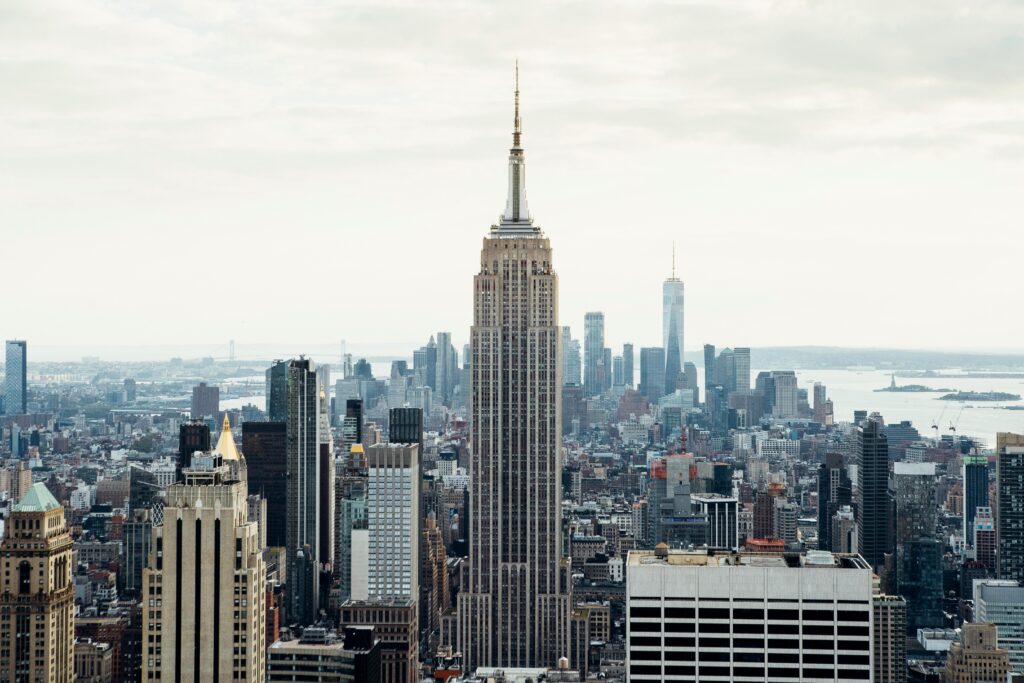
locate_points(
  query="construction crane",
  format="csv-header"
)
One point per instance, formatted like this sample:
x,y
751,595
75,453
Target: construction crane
x,y
954,423
935,422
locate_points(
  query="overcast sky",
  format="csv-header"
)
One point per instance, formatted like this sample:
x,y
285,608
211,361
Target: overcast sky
x,y
840,173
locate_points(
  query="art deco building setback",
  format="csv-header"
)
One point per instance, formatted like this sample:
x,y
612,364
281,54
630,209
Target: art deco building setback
x,y
203,615
515,606
705,616
37,629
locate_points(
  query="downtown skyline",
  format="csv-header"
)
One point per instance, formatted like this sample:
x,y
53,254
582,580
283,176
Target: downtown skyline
x,y
742,155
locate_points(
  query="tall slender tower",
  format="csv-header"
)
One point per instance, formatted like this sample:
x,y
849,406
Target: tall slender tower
x,y
672,326
514,610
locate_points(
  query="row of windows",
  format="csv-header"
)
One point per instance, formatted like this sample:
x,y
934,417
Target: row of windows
x,y
749,657
774,614
759,629
748,672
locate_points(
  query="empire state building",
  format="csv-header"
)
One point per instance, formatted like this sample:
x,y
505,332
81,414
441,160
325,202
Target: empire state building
x,y
514,610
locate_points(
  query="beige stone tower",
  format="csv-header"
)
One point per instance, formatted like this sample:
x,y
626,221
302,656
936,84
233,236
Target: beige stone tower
x,y
37,618
515,605
203,615
977,657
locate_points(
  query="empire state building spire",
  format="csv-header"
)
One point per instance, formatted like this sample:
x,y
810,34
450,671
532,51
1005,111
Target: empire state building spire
x,y
516,217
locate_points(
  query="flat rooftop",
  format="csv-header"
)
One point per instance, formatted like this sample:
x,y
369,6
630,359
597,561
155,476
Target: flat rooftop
x,y
702,558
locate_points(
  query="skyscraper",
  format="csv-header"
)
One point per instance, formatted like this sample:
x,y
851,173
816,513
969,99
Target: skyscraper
x,y
572,366
918,553
205,401
875,538
1010,509
265,445
277,391
652,373
16,379
593,351
205,580
302,534
392,513
672,326
447,367
834,491
975,477
515,608
37,629
741,376
628,365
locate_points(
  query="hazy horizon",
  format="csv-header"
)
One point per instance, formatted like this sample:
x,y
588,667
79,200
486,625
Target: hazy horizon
x,y
831,174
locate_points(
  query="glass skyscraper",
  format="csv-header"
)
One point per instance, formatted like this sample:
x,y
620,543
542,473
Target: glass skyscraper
x,y
16,384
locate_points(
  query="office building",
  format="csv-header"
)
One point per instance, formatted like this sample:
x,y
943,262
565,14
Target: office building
x,y
889,615
709,366
628,365
206,579
672,327
352,424
265,445
721,512
302,531
918,552
593,352
205,401
874,509
786,395
985,542
16,378
835,490
447,368
37,605
515,606
698,616
741,368
820,396
277,391
1010,505
975,478
977,656
572,364
652,373
192,436
396,627
319,656
1001,603
405,425
351,483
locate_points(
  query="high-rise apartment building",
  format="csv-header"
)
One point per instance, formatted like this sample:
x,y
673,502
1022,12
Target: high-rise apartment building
x,y
975,478
889,616
302,533
392,513
1010,505
16,378
37,605
593,352
205,401
701,616
204,617
874,509
515,607
672,327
